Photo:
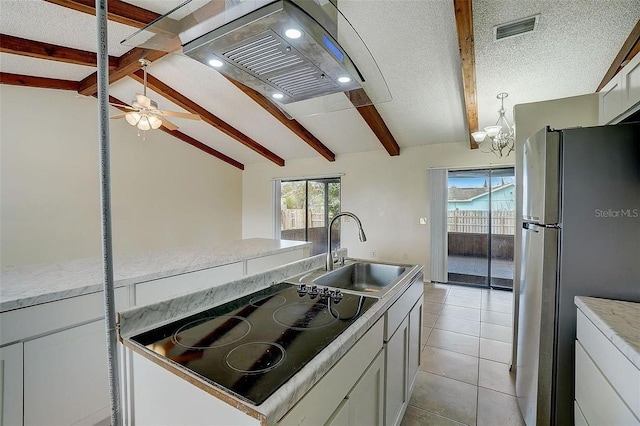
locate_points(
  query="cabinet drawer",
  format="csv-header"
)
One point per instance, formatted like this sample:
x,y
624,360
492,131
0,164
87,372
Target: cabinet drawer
x,y
25,323
599,402
616,368
401,308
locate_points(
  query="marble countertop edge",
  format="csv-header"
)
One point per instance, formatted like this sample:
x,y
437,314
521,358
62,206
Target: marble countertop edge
x,y
32,285
618,320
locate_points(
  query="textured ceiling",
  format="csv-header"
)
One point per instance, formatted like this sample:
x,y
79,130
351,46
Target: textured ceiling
x,y
568,55
415,46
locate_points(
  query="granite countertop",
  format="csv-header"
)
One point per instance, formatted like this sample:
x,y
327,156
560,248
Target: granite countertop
x,y
619,321
31,285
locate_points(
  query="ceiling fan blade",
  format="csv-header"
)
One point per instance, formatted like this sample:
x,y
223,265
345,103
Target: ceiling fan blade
x,y
123,106
143,101
118,116
169,125
186,115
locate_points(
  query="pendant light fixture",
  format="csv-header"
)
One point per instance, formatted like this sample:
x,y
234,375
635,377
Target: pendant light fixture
x,y
501,136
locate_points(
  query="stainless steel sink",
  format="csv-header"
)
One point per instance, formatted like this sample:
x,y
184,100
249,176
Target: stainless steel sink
x,y
362,277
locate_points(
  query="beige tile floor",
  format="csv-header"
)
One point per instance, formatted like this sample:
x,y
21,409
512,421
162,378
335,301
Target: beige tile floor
x,y
464,375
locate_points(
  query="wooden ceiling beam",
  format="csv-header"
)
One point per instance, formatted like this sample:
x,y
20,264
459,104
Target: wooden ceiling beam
x,y
629,49
179,99
291,124
464,24
127,64
41,82
371,116
188,139
118,11
40,50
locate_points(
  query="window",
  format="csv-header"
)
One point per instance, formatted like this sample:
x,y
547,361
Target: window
x,y
306,207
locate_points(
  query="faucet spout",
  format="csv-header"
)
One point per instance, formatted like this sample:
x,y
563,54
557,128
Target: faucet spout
x,y
361,235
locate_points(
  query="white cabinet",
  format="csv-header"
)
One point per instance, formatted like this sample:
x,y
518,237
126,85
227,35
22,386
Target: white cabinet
x,y
55,371
621,96
607,387
364,404
11,385
396,388
403,334
65,377
318,405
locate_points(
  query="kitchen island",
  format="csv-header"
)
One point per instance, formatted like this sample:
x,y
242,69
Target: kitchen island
x,y
364,375
52,335
607,387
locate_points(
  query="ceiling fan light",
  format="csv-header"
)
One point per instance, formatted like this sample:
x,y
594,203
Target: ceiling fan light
x,y
143,124
132,118
154,122
479,136
493,131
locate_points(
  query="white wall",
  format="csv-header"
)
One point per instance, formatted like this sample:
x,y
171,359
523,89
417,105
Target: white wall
x,y
388,194
165,193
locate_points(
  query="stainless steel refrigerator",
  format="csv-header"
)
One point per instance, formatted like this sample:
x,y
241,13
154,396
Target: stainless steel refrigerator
x,y
580,237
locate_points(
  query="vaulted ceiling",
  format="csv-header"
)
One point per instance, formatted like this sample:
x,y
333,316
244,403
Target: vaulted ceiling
x,y
49,43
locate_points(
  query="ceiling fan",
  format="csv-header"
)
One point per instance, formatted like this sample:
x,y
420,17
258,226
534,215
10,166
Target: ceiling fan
x,y
144,112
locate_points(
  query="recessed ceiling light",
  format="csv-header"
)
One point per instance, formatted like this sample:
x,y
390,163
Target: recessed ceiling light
x,y
293,33
216,63
277,96
344,79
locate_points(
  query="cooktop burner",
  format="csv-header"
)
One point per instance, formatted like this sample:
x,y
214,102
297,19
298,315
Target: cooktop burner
x,y
253,345
255,357
304,316
224,330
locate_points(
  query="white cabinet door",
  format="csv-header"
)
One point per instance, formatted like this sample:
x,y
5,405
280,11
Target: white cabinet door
x,y
366,399
610,100
340,417
11,385
396,374
415,337
65,377
631,83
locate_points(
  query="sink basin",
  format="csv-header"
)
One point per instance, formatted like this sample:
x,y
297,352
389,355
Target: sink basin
x,y
362,277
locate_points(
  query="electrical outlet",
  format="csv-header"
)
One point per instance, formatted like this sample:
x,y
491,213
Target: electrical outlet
x,y
423,221
373,253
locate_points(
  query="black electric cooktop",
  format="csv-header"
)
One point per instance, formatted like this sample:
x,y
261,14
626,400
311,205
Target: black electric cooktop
x,y
253,345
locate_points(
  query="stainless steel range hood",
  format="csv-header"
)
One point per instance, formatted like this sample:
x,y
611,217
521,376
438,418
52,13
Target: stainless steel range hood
x,y
256,51
327,68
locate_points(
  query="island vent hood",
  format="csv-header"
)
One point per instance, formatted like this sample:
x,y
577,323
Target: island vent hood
x,y
303,55
281,51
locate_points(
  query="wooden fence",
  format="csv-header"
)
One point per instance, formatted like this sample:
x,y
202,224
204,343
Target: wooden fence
x,y
503,222
294,219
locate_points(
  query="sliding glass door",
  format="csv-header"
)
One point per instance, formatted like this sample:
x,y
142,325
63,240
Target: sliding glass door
x,y
306,207
480,227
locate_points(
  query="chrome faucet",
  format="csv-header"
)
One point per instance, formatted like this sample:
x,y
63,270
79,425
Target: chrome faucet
x,y
363,237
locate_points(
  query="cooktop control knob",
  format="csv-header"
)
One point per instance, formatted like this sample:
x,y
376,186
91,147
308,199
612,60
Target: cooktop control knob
x,y
302,290
313,292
